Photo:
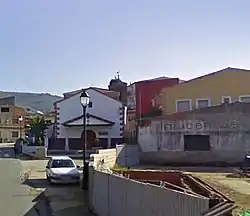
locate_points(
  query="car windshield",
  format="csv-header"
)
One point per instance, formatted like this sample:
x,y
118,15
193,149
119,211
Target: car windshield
x,y
62,163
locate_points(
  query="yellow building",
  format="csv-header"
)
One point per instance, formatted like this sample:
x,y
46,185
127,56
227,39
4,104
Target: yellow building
x,y
224,86
50,118
10,125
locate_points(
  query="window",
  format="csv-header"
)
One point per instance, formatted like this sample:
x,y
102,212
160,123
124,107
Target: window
x,y
62,163
15,134
244,98
48,122
196,143
202,103
226,99
5,109
183,105
103,133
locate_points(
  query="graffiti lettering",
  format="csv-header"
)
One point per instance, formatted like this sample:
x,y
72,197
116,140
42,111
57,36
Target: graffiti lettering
x,y
197,125
229,124
189,126
169,126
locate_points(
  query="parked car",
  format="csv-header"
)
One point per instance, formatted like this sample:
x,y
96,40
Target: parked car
x,y
62,169
246,163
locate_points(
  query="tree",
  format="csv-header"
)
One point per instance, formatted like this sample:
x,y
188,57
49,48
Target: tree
x,y
37,129
153,113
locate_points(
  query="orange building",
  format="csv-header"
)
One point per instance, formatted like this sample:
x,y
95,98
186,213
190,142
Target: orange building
x,y
10,126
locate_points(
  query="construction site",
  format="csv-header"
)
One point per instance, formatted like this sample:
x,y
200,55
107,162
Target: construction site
x,y
182,190
193,183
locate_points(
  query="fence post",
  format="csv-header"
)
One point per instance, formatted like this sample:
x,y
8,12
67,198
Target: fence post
x,y
91,188
109,195
126,155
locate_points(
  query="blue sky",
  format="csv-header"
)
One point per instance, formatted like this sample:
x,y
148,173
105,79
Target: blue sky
x,y
60,45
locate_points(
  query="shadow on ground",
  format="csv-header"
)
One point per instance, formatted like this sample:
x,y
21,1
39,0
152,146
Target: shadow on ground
x,y
61,200
234,175
28,158
200,169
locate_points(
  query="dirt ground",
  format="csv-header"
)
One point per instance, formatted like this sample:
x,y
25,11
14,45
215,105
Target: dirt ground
x,y
232,185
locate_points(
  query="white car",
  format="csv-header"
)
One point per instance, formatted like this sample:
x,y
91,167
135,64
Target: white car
x,y
62,169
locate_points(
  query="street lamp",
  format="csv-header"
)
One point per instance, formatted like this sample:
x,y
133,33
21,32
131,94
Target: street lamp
x,y
20,119
84,99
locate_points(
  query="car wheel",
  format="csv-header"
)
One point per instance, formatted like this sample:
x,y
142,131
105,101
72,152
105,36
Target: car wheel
x,y
48,179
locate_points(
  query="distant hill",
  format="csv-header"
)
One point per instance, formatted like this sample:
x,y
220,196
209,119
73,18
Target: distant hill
x,y
36,101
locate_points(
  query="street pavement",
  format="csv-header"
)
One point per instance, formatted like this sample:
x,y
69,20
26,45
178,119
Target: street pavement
x,y
56,200
24,191
16,199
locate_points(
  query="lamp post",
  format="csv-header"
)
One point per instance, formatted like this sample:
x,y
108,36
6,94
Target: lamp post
x,y
84,99
20,119
27,131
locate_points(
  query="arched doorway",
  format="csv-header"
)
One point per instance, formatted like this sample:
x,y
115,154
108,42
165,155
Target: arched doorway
x,y
91,139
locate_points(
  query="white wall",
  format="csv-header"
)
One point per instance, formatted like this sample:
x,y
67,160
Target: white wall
x,y
29,150
104,158
147,139
113,195
103,106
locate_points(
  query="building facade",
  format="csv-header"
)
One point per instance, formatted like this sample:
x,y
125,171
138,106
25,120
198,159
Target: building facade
x,y
146,90
224,86
219,134
131,95
130,127
140,101
8,101
10,126
105,122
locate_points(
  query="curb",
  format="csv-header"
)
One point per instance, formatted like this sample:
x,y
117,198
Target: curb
x,y
42,207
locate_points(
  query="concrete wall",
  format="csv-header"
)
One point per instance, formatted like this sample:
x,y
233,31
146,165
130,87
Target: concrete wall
x,y
123,155
163,141
38,152
29,150
112,195
127,155
192,158
105,158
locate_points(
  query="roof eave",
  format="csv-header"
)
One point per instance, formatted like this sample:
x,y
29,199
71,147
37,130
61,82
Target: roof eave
x,y
91,125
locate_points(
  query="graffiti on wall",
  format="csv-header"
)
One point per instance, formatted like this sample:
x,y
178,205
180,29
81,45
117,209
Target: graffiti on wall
x,y
197,125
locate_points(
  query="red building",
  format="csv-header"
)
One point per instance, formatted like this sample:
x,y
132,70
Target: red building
x,y
146,90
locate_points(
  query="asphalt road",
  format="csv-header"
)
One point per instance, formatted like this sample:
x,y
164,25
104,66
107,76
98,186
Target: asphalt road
x,y
16,199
